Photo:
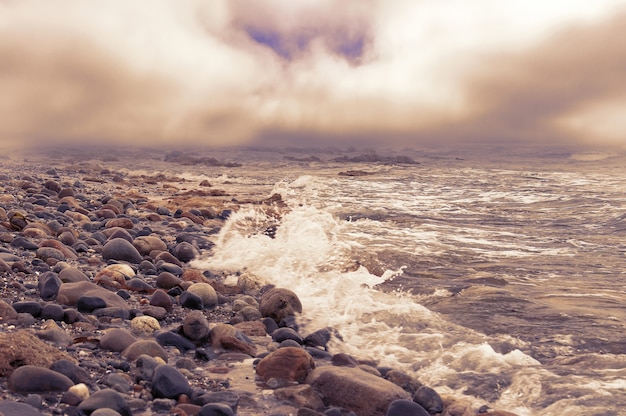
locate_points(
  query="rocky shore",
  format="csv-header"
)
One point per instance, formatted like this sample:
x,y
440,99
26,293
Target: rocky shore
x,y
101,312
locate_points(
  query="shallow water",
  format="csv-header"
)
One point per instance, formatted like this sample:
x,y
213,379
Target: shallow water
x,y
499,280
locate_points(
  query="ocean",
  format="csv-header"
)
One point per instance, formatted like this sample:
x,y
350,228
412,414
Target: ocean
x,y
498,279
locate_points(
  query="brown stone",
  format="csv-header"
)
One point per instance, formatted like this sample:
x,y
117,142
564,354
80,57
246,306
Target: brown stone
x,y
289,363
252,328
145,244
355,389
69,293
302,396
125,223
144,346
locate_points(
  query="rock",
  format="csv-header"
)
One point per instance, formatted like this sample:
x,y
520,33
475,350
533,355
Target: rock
x,y
55,334
185,252
344,360
116,340
169,383
23,348
121,249
105,399
429,399
47,253
279,303
319,338
252,328
23,242
288,363
167,280
196,326
72,371
57,245
105,412
7,313
4,267
33,379
28,306
216,409
404,407
191,301
156,312
147,347
89,304
125,223
173,339
52,311
402,379
206,292
69,293
49,284
144,325
137,284
282,334
71,274
13,408
354,389
162,299
148,243
302,396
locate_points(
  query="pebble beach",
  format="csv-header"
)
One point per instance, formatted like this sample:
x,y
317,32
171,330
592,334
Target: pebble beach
x,y
102,311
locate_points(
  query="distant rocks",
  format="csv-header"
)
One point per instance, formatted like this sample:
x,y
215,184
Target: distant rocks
x,y
376,158
181,158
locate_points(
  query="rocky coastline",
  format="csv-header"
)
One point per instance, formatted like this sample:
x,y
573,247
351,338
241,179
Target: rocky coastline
x,y
102,312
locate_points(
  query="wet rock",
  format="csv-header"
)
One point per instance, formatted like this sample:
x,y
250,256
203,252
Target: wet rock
x,y
121,249
169,383
319,338
282,334
105,399
429,399
288,363
33,379
206,292
404,407
278,303
402,379
354,389
116,340
196,326
147,347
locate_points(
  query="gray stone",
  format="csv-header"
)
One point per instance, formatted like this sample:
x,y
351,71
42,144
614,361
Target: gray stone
x,y
33,379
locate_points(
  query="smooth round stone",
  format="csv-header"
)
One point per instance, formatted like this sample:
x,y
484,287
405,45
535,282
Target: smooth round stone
x,y
185,252
25,243
72,371
139,285
33,379
169,338
289,363
52,311
13,408
282,334
190,300
71,274
249,313
156,312
67,238
80,390
7,312
46,253
170,267
118,232
125,223
116,340
147,347
169,383
121,249
404,407
162,299
279,303
167,280
206,292
27,306
105,412
196,326
144,325
429,399
105,399
146,244
49,285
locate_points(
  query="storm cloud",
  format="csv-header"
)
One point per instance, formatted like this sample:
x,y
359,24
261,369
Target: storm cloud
x,y
233,72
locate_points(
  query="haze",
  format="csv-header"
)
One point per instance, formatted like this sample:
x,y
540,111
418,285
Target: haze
x,y
227,72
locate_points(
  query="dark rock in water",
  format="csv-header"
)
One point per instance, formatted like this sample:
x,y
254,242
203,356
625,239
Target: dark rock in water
x,y
147,347
404,407
49,284
105,399
288,363
89,304
319,338
270,325
28,306
429,399
169,338
216,409
185,252
282,334
169,383
33,379
71,371
121,249
190,300
116,340
279,303
355,389
11,408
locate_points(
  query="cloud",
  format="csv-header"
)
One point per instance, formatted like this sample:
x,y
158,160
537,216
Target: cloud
x,y
230,72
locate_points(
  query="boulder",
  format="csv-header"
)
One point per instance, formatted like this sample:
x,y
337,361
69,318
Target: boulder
x,y
355,389
121,249
289,363
278,303
33,379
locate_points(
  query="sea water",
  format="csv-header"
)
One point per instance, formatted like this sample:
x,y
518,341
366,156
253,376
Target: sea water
x,y
500,281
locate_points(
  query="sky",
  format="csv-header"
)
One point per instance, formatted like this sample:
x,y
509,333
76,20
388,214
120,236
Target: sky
x,y
230,72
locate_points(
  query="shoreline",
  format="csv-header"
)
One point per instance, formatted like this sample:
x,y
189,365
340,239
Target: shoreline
x,y
56,224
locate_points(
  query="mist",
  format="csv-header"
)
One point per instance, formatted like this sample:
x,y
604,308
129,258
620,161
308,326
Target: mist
x,y
228,73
